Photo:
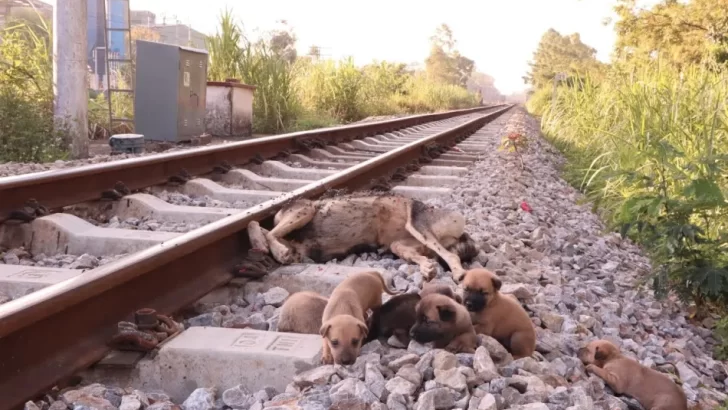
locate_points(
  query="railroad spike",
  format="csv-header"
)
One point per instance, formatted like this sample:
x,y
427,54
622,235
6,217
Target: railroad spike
x,y
224,167
181,178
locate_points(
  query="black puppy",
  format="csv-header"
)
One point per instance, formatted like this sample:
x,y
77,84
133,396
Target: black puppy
x,y
395,317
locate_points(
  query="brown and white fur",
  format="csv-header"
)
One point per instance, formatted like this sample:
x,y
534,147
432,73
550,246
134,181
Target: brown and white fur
x,y
334,227
652,389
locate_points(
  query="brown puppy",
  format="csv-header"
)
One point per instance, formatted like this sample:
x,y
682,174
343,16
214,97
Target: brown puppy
x,y
395,317
652,389
442,320
343,323
302,312
498,315
430,288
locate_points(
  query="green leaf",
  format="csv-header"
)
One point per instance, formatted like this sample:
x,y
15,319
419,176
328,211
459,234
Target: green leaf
x,y
705,191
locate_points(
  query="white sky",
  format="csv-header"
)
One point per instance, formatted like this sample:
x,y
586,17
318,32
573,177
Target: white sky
x,y
500,35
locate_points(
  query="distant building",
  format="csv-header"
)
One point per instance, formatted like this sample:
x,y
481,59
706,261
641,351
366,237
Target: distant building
x,y
180,35
143,18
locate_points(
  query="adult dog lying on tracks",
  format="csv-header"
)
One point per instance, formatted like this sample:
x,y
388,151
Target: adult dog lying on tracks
x,y
335,227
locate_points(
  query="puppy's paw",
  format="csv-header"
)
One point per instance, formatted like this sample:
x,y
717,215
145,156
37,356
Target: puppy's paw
x,y
590,368
327,359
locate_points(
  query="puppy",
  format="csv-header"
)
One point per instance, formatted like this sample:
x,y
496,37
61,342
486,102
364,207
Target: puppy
x,y
302,312
440,319
652,389
395,317
430,288
497,315
343,325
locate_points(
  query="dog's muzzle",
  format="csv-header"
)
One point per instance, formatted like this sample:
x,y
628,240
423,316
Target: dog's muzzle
x,y
582,354
423,334
474,301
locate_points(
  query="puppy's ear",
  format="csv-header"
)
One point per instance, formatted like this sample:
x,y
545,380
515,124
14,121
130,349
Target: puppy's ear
x,y
496,283
363,329
447,313
600,354
457,298
324,329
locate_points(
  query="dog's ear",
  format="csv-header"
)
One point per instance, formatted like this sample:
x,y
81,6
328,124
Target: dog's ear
x,y
324,329
600,354
457,298
496,283
363,329
447,313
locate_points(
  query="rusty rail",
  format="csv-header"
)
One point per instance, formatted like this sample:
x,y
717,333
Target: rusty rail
x,y
56,331
54,189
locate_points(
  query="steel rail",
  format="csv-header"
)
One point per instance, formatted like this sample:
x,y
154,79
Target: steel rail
x,y
58,188
54,332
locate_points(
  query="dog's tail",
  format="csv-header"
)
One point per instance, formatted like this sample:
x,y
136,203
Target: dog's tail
x,y
384,285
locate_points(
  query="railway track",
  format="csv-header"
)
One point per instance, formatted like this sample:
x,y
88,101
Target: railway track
x,y
174,251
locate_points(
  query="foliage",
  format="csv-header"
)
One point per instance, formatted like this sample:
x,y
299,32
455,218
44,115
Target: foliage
x,y
680,33
26,94
556,54
649,146
302,92
721,335
445,64
512,143
233,56
283,42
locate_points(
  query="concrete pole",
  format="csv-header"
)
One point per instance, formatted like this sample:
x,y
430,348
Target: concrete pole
x,y
70,85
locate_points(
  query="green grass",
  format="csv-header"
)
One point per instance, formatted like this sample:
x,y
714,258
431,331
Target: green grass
x,y
649,147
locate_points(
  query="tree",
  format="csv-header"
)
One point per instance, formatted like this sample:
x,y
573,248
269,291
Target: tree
x,y
561,54
676,32
283,42
485,85
445,64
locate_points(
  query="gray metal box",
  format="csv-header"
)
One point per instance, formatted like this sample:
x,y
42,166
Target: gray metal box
x,y
170,94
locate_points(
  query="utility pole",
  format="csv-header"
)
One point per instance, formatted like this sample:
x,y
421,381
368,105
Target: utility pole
x,y
70,88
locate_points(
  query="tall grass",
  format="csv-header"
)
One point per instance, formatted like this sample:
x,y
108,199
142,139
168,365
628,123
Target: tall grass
x,y
310,93
649,146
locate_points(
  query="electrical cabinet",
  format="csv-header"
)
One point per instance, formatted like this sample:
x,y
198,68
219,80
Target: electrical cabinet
x,y
170,95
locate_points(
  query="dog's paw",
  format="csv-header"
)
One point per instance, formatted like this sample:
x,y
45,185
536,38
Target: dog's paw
x,y
428,269
590,368
327,359
458,275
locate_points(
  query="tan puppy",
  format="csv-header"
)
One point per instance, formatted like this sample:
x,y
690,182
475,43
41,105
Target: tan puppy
x,y
302,312
344,325
497,315
652,389
440,319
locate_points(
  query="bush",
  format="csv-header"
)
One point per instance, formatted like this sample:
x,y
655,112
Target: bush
x,y
275,105
26,94
649,146
26,130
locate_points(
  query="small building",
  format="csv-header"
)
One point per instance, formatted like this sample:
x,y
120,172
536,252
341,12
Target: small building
x,y
229,108
180,35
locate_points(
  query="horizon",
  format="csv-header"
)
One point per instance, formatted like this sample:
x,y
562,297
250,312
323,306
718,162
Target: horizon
x,y
506,60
